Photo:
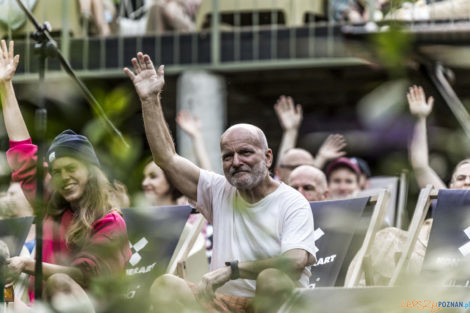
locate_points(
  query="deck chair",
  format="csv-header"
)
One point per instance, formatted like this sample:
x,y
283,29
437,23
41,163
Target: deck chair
x,y
335,223
449,240
153,235
189,260
391,183
294,11
13,233
63,15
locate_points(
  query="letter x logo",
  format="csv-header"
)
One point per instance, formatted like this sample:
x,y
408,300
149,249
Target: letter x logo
x,y
465,249
135,258
317,234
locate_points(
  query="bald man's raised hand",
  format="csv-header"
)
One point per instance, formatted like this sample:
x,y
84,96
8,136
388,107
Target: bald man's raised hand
x,y
146,80
289,115
419,107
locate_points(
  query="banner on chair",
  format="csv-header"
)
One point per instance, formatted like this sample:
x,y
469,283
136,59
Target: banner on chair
x,y
449,241
153,235
335,224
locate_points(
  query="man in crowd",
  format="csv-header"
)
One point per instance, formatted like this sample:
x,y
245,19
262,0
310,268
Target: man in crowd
x,y
343,178
292,159
288,157
263,229
310,182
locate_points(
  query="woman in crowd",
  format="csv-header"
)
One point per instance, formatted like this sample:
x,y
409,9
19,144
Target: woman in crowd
x,y
84,233
157,188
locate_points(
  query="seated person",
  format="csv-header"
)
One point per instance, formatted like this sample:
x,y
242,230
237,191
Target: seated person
x,y
14,204
290,160
100,12
263,229
85,235
343,179
364,182
310,182
161,16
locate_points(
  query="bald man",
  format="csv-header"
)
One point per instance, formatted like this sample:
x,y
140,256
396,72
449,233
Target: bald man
x,y
310,182
290,160
263,229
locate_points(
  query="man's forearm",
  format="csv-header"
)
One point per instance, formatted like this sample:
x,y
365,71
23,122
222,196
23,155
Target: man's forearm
x,y
419,145
290,263
158,135
51,269
289,138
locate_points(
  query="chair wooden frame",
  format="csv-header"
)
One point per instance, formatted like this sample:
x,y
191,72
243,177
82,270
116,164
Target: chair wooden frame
x,y
425,197
179,263
378,214
401,214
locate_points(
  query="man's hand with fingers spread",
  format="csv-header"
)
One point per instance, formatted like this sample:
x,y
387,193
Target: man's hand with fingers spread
x,y
146,80
417,102
289,115
8,62
191,124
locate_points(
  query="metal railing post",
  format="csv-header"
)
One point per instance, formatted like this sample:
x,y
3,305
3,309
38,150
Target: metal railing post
x,y
215,37
65,34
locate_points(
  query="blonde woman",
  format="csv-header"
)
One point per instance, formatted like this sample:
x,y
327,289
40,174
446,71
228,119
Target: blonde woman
x,y
84,233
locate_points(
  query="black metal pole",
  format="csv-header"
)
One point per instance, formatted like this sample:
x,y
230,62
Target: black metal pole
x,y
51,45
43,50
47,47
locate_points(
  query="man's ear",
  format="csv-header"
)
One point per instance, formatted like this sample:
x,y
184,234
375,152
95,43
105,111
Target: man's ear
x,y
325,194
269,158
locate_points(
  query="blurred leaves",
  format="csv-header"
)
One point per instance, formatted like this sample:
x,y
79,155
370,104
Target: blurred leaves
x,y
393,48
118,159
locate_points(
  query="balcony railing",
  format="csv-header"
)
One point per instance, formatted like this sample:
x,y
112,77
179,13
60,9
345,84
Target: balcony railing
x,y
228,35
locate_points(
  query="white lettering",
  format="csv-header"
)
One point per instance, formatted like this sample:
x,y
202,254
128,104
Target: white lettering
x,y
325,260
140,270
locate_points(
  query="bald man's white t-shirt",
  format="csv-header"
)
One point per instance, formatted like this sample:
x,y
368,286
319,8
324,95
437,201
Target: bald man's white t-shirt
x,y
280,222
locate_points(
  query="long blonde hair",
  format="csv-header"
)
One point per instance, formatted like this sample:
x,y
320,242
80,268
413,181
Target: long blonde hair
x,y
99,198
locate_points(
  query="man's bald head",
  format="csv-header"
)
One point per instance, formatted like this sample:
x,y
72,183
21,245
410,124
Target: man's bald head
x,y
292,159
246,157
310,182
246,130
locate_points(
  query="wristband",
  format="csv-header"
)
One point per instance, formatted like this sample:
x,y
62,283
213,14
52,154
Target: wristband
x,y
235,273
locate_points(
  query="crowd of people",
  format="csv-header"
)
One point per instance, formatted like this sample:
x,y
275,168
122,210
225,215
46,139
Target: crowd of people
x,y
260,225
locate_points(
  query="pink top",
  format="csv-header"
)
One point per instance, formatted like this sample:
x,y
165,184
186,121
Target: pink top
x,y
105,249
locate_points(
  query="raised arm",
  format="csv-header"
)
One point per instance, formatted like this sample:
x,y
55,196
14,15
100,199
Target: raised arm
x,y
14,123
191,125
419,144
331,149
148,85
290,117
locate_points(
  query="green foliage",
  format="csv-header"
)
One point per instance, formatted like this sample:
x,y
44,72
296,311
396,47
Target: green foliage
x,y
393,48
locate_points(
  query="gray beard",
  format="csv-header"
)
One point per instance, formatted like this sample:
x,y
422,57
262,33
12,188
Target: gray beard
x,y
258,173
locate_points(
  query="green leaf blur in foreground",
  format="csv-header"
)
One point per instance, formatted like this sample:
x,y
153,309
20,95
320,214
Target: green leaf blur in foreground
x,y
393,48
